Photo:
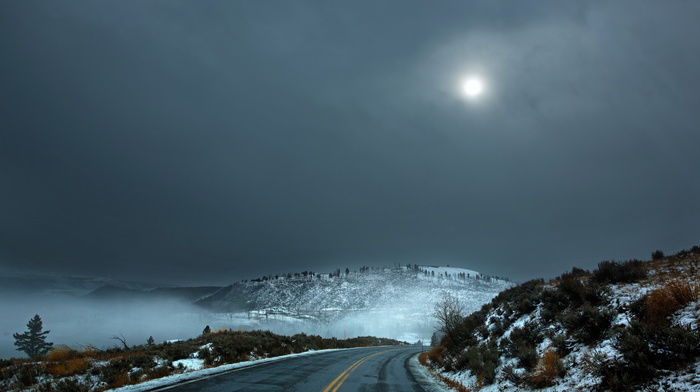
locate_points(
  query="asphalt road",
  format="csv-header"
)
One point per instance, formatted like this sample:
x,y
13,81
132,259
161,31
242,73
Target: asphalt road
x,y
365,369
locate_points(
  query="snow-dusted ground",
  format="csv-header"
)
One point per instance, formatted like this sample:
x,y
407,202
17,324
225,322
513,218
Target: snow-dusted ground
x,y
426,380
582,359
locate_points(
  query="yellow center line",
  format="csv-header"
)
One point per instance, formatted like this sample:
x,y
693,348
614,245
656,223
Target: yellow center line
x,y
335,384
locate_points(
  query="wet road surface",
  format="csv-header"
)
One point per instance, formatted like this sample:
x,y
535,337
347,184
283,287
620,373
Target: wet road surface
x,y
382,369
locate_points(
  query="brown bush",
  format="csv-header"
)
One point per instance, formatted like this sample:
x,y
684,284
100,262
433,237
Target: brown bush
x,y
62,353
683,292
68,367
120,380
664,301
436,356
455,385
63,361
548,368
423,358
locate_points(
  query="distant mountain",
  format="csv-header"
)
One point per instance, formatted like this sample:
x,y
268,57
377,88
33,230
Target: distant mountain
x,y
409,289
111,292
96,288
189,294
26,284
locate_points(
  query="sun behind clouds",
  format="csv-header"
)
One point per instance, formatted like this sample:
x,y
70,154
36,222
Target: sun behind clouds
x,y
472,87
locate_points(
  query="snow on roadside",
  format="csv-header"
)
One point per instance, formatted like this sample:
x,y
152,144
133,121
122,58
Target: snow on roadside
x,y
427,380
204,373
422,375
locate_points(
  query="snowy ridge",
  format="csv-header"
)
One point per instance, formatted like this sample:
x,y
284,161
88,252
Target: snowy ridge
x,y
374,289
393,302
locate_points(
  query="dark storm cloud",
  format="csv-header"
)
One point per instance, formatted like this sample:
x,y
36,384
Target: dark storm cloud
x,y
207,142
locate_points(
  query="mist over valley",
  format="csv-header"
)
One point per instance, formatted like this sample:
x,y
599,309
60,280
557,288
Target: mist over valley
x,y
393,302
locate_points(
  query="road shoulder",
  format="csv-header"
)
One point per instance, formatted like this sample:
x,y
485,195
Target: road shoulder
x,y
424,378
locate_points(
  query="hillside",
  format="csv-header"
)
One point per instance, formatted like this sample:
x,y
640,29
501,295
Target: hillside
x,y
410,287
395,302
625,326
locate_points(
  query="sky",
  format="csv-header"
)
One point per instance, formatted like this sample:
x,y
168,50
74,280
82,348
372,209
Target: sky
x,y
189,142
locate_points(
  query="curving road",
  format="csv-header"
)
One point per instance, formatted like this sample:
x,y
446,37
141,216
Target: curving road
x,y
365,369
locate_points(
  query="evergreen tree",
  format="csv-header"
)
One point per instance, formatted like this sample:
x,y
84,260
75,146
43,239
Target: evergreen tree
x,y
33,342
150,342
435,339
206,331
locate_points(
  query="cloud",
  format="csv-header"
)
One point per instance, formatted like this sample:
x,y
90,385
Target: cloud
x,y
149,138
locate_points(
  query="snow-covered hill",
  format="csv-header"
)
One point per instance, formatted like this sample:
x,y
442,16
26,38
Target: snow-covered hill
x,y
373,289
396,302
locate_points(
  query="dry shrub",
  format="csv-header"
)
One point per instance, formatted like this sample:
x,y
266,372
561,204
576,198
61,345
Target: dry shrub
x,y
158,372
594,362
549,367
423,358
683,292
659,307
62,353
619,272
63,361
68,367
455,385
436,356
120,380
664,301
92,352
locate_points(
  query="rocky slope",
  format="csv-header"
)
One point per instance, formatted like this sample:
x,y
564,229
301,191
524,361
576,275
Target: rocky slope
x,y
625,326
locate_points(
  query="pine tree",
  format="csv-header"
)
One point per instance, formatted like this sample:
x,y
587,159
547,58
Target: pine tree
x,y
33,342
435,339
150,342
206,331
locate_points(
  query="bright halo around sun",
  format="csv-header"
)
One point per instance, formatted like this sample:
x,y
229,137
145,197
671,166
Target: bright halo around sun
x,y
472,87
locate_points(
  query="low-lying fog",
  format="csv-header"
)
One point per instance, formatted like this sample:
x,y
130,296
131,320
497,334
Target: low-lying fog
x,y
79,322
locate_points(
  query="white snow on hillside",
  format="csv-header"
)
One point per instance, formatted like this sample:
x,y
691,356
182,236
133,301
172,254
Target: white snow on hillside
x,y
393,302
587,364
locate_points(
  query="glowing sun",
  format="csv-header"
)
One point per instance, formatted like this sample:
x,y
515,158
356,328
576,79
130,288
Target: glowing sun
x,y
472,87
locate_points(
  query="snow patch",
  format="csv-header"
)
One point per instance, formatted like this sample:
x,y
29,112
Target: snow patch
x,y
189,364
